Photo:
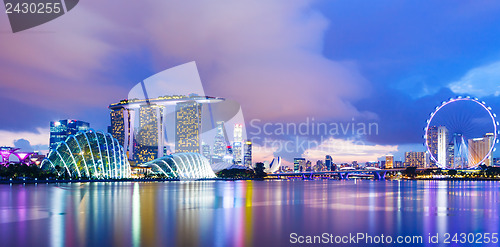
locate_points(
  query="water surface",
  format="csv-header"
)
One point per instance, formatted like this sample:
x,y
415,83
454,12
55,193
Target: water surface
x,y
241,213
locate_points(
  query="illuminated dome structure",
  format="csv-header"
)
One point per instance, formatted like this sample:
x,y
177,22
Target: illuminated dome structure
x,y
90,154
182,166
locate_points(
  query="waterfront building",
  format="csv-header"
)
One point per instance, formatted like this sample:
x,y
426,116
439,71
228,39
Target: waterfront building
x,y
320,166
298,164
450,152
496,161
442,147
148,138
432,141
238,143
381,164
36,159
415,159
479,148
308,166
188,127
274,166
355,164
117,127
220,143
328,162
247,158
389,162
60,130
205,151
148,141
89,154
398,164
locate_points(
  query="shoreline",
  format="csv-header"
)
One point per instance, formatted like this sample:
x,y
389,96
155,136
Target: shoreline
x,y
145,180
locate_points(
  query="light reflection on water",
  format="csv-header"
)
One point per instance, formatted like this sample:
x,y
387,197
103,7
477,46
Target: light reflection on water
x,y
241,213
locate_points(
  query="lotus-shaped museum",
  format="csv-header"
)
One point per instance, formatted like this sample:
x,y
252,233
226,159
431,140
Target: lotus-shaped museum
x,y
182,166
90,154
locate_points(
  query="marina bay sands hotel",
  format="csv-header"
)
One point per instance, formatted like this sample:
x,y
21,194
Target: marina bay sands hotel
x,y
140,124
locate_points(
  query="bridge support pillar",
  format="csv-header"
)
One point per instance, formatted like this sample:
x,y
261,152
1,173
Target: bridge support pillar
x,y
379,175
343,175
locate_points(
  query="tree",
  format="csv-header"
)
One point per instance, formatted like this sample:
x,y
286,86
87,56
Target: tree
x,y
259,170
411,171
236,173
452,172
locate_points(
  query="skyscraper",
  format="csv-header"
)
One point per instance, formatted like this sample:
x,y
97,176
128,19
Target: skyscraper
x,y
148,140
60,130
450,152
416,159
432,141
299,164
220,143
328,162
389,162
205,151
188,127
237,143
443,142
117,127
479,148
247,159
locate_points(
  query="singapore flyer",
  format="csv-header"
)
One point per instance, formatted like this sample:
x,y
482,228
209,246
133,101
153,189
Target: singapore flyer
x,y
461,133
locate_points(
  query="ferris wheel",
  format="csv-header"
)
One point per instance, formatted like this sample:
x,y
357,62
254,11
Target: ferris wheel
x,y
461,133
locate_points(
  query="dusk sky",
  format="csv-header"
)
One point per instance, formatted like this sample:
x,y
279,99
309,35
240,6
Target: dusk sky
x,y
284,61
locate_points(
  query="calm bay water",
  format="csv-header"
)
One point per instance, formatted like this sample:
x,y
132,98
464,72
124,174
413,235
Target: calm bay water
x,y
242,213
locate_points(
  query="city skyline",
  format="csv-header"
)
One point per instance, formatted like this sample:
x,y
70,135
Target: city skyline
x,y
344,80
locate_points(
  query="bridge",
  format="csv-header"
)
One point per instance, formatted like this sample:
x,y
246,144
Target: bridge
x,y
378,174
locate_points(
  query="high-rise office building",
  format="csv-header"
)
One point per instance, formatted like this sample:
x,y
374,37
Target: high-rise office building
x,y
147,138
320,166
496,162
299,164
443,143
220,143
389,162
205,151
247,158
238,143
328,162
450,152
60,130
432,141
415,159
479,148
188,127
117,127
